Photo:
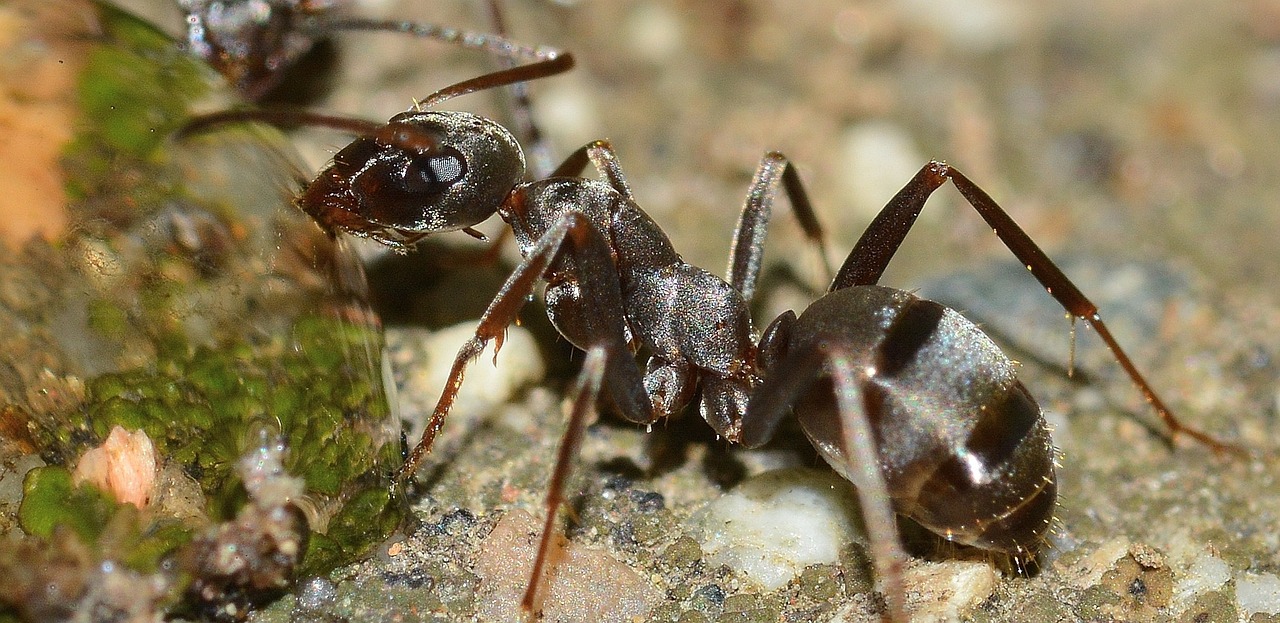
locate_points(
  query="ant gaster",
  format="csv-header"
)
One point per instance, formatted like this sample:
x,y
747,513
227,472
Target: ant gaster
x,y
902,396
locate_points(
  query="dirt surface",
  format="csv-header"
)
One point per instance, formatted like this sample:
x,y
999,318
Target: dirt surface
x,y
1135,140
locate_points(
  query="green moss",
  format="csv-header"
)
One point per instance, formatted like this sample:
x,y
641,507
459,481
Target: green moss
x,y
137,87
107,318
50,500
199,409
218,369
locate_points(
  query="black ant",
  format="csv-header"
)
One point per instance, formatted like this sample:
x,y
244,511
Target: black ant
x,y
901,395
253,43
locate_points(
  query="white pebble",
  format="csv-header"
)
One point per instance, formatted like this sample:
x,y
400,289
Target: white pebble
x,y
1207,573
1258,593
880,157
774,525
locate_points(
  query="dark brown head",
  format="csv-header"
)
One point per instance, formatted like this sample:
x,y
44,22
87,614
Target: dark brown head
x,y
422,173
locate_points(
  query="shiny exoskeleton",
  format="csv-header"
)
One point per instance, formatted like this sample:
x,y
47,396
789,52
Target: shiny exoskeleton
x,y
902,396
963,449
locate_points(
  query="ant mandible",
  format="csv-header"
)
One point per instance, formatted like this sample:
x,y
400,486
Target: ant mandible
x,y
902,396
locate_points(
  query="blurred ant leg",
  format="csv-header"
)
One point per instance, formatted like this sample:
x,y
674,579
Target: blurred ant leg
x,y
584,394
745,254
873,495
574,234
882,238
537,148
493,43
786,383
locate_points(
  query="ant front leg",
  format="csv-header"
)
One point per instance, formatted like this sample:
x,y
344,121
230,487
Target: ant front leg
x,y
870,256
572,234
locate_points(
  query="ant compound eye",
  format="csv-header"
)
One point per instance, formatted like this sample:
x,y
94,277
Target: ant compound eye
x,y
433,172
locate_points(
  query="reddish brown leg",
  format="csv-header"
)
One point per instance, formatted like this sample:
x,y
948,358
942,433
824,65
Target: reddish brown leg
x,y
870,256
555,64
773,172
584,395
575,235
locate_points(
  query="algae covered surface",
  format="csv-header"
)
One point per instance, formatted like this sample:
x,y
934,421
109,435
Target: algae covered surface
x,y
193,408
1131,140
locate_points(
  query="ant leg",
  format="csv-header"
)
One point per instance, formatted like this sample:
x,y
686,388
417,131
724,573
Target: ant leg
x,y
873,495
602,300
584,395
882,238
855,458
1072,299
497,44
773,171
870,256
537,148
602,156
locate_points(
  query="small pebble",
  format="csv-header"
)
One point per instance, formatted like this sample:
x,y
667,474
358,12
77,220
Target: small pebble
x,y
774,525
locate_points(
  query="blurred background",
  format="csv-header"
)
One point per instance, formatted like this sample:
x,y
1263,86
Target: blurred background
x,y
1144,128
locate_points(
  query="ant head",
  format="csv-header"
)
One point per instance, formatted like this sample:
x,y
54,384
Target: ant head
x,y
421,173
249,43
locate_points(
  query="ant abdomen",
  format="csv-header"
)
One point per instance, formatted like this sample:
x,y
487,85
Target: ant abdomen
x,y
424,172
963,447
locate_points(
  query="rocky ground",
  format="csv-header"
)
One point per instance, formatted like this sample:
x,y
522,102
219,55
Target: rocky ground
x,y
1132,140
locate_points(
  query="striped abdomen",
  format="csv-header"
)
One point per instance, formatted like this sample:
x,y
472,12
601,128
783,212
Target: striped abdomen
x,y
962,446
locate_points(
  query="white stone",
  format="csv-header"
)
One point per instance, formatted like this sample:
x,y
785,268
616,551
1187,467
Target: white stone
x,y
879,159
486,384
1258,592
1206,573
775,524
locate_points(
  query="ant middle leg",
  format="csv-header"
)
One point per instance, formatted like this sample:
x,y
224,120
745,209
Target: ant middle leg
x,y
870,256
